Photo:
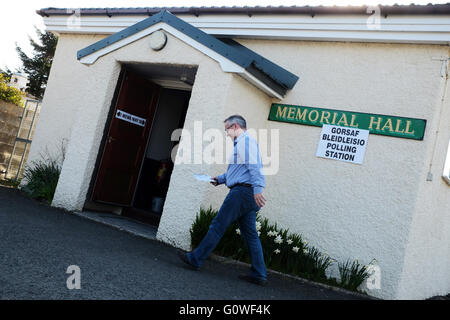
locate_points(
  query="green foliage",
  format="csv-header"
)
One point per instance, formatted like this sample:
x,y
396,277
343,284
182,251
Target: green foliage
x,y
283,251
201,225
42,175
10,183
9,94
38,67
352,275
7,74
231,245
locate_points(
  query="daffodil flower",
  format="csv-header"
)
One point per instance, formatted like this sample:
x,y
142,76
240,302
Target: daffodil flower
x,y
278,240
289,241
259,233
295,249
277,251
238,231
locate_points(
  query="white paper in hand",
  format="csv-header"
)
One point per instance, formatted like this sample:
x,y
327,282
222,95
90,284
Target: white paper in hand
x,y
203,177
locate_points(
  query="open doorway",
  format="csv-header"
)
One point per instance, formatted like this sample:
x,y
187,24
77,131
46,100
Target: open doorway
x,y
157,165
134,167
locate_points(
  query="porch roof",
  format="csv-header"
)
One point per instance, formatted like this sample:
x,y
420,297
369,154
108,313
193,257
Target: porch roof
x,y
257,67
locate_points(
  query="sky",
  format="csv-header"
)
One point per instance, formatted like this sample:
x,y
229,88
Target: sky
x,y
18,17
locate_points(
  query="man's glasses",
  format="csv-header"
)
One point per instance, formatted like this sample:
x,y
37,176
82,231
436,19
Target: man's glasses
x,y
226,129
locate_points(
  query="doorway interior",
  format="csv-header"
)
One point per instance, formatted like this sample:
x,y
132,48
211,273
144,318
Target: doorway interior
x,y
137,185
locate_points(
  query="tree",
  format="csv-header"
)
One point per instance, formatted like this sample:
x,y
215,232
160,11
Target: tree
x,y
38,67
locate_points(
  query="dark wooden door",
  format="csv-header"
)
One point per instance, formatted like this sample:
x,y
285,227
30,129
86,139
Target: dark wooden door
x,y
126,141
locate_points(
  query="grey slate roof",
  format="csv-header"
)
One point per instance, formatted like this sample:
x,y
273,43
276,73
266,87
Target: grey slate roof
x,y
271,74
310,10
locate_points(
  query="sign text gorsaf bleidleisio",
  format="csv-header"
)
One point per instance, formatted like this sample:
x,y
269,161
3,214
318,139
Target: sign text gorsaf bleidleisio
x,y
409,128
342,143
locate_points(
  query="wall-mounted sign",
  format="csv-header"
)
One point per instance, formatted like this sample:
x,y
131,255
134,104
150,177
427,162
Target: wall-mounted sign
x,y
130,118
342,143
409,128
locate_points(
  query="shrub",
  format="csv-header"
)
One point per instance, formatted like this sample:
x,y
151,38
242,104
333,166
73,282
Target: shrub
x,y
283,251
10,94
42,178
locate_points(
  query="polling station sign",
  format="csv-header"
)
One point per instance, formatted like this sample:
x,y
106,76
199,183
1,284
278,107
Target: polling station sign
x,y
342,143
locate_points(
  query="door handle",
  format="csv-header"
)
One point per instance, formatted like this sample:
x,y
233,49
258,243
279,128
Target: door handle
x,y
111,139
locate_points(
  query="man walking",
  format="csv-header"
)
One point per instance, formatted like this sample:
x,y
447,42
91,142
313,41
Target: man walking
x,y
246,182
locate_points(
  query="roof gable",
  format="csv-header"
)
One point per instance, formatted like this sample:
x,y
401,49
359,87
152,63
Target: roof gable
x,y
263,73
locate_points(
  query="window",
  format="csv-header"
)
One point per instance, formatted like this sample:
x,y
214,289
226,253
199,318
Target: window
x,y
446,173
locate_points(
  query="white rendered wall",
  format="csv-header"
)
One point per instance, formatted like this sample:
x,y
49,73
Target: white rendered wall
x,y
426,271
185,194
349,211
61,98
94,86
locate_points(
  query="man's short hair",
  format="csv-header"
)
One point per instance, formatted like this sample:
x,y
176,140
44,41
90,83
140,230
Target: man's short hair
x,y
236,119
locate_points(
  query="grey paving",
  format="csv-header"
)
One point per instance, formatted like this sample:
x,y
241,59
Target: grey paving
x,y
122,223
38,243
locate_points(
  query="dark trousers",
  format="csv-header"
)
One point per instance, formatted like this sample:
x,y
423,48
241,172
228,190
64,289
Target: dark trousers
x,y
238,205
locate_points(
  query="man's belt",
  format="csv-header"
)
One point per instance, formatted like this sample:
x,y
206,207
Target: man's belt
x,y
240,184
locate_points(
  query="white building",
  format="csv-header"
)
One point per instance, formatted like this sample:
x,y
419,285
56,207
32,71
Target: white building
x,y
118,88
19,81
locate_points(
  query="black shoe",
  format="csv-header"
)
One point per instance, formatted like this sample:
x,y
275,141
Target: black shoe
x,y
253,280
184,258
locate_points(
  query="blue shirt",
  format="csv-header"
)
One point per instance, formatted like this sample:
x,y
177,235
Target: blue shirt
x,y
245,165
